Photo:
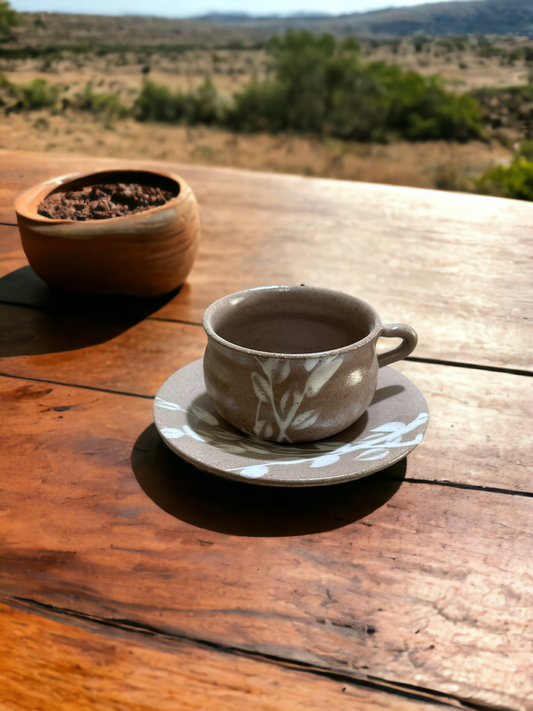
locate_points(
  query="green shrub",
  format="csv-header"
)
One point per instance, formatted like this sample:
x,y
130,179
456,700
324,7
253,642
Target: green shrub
x,y
36,95
8,19
204,105
322,86
452,43
419,43
235,44
491,51
313,77
308,74
515,55
516,181
154,103
157,103
446,44
105,105
259,107
412,107
526,150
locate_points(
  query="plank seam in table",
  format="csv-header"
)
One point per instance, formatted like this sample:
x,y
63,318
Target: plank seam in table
x,y
77,385
454,485
414,359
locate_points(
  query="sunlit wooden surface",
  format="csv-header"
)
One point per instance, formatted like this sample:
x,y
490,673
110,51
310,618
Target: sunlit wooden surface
x,y
164,587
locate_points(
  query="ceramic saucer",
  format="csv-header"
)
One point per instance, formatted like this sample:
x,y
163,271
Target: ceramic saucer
x,y
393,426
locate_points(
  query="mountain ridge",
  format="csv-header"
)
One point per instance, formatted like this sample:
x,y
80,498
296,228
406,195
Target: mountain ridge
x,y
497,17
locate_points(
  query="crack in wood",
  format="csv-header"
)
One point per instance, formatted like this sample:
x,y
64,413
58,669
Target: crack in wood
x,y
394,688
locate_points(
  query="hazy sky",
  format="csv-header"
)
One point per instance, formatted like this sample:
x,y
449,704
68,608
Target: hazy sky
x,y
191,8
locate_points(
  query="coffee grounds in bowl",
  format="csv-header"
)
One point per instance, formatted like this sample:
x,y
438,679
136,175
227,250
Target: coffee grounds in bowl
x,y
102,202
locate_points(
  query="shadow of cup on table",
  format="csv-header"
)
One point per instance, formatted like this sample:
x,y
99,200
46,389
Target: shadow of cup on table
x,y
240,509
38,319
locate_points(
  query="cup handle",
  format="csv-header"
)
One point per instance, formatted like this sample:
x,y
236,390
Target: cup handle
x,y
398,330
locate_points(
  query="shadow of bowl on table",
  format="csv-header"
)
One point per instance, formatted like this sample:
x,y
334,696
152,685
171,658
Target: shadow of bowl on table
x,y
240,509
37,319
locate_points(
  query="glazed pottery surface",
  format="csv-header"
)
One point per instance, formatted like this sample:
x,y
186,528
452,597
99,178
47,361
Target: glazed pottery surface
x,y
145,254
295,363
392,426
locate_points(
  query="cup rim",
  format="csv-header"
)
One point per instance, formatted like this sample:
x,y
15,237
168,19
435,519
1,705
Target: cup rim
x,y
220,303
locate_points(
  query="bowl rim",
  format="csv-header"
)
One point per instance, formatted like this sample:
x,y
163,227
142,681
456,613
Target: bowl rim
x,y
41,190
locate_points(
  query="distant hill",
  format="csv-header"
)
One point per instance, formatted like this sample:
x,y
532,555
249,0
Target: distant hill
x,y
487,17
225,18
498,17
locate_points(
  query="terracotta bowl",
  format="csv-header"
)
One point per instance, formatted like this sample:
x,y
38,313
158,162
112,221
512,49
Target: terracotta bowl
x,y
146,254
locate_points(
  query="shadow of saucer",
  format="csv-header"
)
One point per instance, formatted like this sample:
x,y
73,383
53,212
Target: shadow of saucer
x,y
38,319
241,509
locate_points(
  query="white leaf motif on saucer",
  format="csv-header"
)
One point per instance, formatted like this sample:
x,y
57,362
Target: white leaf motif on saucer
x,y
207,429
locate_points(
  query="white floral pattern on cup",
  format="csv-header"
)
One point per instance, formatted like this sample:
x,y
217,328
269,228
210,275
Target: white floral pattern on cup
x,y
207,429
287,411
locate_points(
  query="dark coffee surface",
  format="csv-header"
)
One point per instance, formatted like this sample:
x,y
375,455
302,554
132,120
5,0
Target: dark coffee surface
x,y
291,333
102,202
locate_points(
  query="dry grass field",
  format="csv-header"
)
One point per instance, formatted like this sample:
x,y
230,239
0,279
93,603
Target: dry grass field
x,y
430,164
181,54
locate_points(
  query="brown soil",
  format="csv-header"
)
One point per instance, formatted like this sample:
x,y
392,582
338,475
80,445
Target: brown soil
x,y
102,202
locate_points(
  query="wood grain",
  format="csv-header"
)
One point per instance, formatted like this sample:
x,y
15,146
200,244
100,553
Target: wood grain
x,y
406,582
118,352
11,253
457,267
402,577
479,433
99,668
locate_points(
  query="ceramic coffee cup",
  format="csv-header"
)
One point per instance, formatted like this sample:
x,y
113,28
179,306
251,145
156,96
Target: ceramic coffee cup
x,y
295,363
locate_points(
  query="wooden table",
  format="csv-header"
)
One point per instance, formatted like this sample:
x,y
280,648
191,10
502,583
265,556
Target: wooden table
x,y
131,581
